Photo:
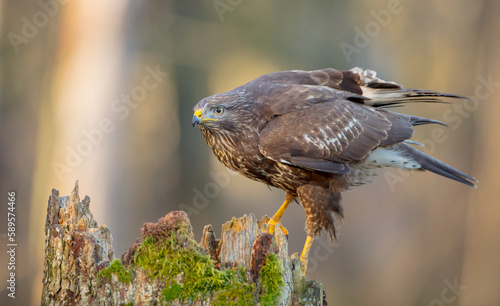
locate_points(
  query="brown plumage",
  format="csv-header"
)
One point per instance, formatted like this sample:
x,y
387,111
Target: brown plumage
x,y
315,134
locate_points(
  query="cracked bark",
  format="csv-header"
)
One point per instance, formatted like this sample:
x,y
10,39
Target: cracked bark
x,y
77,248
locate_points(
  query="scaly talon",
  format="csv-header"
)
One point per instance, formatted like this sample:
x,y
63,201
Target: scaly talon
x,y
305,253
272,223
277,216
304,265
284,230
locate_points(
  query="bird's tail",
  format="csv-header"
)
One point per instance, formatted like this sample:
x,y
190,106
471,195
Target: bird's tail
x,y
388,94
434,165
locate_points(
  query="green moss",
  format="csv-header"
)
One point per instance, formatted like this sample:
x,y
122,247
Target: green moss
x,y
239,291
272,282
189,273
116,267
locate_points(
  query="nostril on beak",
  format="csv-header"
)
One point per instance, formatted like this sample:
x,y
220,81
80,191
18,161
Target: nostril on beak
x,y
196,120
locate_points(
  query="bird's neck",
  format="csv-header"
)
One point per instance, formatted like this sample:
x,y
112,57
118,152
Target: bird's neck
x,y
229,146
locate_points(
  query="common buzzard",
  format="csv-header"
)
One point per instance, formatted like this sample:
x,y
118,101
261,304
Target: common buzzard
x,y
315,134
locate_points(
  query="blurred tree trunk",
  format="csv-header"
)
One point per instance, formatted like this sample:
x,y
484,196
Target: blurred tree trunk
x,y
85,78
26,62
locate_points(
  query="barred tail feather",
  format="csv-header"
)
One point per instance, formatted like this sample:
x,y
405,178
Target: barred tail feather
x,y
434,165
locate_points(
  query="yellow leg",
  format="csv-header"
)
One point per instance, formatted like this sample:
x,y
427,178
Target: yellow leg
x,y
305,253
277,216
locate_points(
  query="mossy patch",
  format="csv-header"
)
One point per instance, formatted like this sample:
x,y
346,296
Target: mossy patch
x,y
240,291
172,256
190,274
116,268
272,283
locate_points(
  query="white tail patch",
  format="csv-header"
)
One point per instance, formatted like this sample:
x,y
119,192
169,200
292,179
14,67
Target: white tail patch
x,y
387,157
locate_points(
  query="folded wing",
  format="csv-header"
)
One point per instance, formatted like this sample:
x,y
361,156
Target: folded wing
x,y
324,137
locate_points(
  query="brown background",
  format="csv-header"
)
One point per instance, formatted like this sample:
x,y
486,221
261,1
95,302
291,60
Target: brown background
x,y
406,238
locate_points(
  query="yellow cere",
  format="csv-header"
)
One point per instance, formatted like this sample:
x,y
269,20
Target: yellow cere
x,y
198,114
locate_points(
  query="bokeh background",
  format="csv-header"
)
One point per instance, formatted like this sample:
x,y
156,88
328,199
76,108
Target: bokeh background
x,y
102,92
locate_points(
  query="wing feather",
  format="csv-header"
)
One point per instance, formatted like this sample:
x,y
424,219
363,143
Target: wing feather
x,y
389,94
365,86
279,99
324,137
314,124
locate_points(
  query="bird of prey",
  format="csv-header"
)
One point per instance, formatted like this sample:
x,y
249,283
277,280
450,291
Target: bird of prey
x,y
315,134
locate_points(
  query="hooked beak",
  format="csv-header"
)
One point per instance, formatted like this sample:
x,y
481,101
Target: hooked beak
x,y
197,118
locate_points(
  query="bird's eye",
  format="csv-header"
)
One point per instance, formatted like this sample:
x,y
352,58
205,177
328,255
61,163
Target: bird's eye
x,y
218,110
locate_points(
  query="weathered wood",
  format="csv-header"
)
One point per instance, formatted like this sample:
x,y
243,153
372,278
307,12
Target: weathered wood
x,y
166,265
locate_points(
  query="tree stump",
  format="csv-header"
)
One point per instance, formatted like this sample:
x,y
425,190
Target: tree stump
x,y
166,265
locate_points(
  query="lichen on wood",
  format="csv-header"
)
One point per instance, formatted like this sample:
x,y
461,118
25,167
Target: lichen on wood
x,y
166,265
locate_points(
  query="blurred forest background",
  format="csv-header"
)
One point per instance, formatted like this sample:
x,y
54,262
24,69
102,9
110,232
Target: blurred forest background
x,y
102,92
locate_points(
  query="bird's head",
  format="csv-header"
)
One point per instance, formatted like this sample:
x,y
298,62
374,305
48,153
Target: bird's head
x,y
209,113
222,112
